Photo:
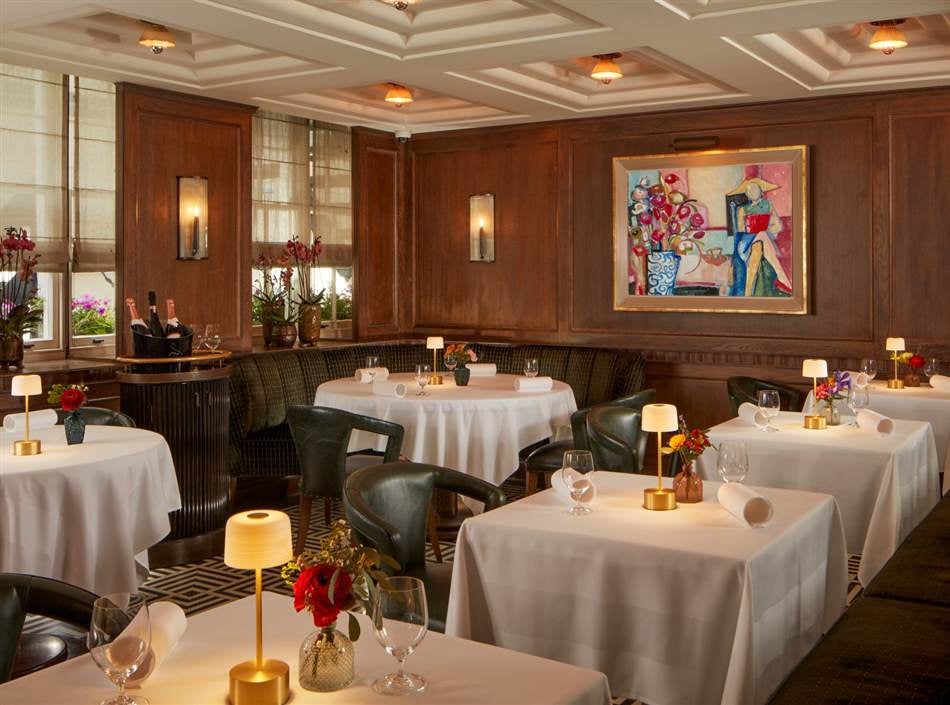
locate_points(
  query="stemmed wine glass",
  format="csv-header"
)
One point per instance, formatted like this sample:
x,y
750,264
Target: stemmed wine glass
x,y
212,337
578,466
450,363
869,367
769,405
733,462
422,378
371,362
857,399
400,621
118,640
932,367
531,367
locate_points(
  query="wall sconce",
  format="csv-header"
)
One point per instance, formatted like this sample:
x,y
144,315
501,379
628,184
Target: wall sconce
x,y
192,217
481,210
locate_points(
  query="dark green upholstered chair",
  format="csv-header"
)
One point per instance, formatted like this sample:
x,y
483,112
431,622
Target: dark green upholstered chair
x,y
21,595
321,436
746,389
387,505
98,416
546,459
617,441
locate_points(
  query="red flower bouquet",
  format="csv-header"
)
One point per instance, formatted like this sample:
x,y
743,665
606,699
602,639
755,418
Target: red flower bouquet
x,y
69,397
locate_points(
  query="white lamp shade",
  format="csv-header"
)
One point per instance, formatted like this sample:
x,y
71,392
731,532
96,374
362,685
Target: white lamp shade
x,y
895,345
257,539
659,418
435,342
814,368
26,385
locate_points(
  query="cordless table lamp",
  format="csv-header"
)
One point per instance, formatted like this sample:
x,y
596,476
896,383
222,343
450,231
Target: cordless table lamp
x,y
253,541
25,386
815,369
895,346
435,343
659,418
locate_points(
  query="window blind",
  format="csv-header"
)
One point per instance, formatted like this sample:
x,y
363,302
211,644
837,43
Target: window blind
x,y
333,209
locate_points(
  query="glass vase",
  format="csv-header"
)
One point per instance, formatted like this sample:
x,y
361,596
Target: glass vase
x,y
75,427
833,414
688,485
327,661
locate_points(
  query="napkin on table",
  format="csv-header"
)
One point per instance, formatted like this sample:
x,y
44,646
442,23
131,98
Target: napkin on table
x,y
752,414
745,504
389,389
533,384
941,382
167,621
483,369
364,374
563,491
16,423
869,419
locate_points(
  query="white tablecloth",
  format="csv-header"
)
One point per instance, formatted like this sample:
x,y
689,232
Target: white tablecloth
x,y
884,484
477,429
196,672
685,606
81,513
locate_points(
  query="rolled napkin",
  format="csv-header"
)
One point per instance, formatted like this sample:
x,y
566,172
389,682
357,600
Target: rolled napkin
x,y
364,374
563,491
483,369
874,421
745,504
16,423
533,384
941,382
168,623
386,388
752,414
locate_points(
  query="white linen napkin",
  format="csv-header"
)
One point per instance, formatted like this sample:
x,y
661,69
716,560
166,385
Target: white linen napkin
x,y
16,423
563,492
386,388
941,382
533,384
869,419
483,369
745,504
752,414
364,374
167,621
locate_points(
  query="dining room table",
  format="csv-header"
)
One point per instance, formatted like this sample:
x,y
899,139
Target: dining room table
x,y
682,606
885,484
86,513
457,671
477,429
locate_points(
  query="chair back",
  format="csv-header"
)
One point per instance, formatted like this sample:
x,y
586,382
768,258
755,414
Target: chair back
x,y
614,435
321,437
746,389
97,416
388,505
579,417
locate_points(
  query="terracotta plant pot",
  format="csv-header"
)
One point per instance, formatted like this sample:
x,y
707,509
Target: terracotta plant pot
x,y
309,323
285,335
11,352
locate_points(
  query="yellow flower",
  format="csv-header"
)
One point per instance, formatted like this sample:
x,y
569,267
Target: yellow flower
x,y
905,357
677,440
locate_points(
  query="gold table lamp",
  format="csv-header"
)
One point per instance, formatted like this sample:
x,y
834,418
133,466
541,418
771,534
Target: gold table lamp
x,y
25,386
815,369
659,418
435,343
895,346
256,540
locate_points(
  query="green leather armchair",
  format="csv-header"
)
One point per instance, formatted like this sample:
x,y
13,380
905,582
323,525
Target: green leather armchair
x,y
98,416
387,506
746,389
616,439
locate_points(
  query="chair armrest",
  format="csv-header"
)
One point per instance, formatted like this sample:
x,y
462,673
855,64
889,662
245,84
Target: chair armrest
x,y
371,527
597,434
471,487
393,431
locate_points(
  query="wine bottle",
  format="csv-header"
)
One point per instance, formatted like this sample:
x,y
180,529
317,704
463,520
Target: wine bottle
x,y
155,327
173,327
136,323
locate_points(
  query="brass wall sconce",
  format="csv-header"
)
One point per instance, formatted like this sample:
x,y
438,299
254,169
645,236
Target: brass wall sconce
x,y
481,219
192,217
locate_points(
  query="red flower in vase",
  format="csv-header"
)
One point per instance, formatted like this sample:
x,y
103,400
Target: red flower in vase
x,y
916,361
72,399
312,592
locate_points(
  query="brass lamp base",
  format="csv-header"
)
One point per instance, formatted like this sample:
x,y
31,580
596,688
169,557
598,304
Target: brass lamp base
x,y
435,379
895,384
816,422
269,685
28,447
659,500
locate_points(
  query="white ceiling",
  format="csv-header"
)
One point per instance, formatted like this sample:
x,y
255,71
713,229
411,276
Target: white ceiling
x,y
484,62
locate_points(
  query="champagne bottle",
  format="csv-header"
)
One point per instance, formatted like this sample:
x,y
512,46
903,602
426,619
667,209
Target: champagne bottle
x,y
136,323
155,327
173,327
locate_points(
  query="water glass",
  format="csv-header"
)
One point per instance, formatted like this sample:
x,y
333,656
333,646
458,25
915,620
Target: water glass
x,y
370,363
577,473
119,638
212,338
400,621
733,463
422,378
932,367
531,367
450,363
769,404
869,367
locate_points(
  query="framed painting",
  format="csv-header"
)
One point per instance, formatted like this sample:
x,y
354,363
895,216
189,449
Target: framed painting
x,y
718,232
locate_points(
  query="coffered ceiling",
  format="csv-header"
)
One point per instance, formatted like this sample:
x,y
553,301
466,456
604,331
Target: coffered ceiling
x,y
484,62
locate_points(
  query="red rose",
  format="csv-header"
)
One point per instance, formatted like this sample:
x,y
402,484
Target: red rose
x,y
916,361
312,591
72,399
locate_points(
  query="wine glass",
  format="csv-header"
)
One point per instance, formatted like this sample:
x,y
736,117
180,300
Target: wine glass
x,y
400,621
371,363
578,466
769,404
212,336
531,367
932,367
869,367
857,399
450,363
422,378
733,462
118,640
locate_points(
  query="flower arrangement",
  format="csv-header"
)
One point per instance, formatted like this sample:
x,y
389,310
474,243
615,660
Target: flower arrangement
x,y
667,220
689,443
915,361
70,397
835,388
271,302
91,316
20,308
341,577
462,353
305,258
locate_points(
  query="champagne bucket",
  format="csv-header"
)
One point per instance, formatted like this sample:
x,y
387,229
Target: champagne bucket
x,y
150,346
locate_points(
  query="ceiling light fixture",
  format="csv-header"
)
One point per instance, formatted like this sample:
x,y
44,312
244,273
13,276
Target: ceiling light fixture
x,y
606,69
887,38
401,4
398,95
157,38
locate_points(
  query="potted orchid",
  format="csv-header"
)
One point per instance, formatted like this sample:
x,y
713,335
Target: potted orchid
x,y
70,398
21,310
834,389
270,299
457,357
305,258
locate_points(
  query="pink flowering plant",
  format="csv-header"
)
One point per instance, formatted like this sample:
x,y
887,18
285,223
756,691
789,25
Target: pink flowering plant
x,y
91,316
305,258
462,353
20,309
